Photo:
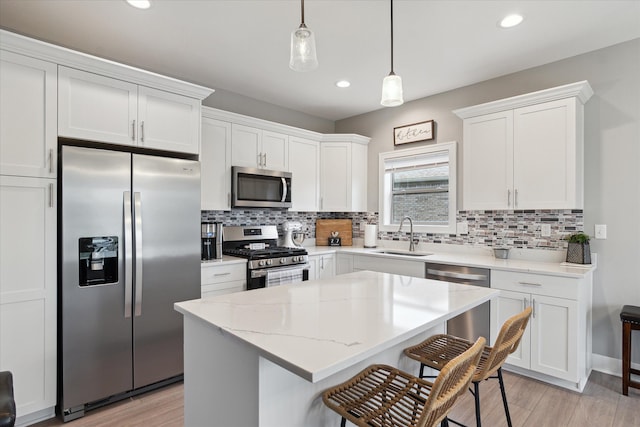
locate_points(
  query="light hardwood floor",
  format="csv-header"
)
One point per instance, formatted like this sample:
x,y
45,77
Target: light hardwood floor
x,y
532,404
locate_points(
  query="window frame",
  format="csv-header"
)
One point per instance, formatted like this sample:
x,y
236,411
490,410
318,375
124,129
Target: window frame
x,y
385,191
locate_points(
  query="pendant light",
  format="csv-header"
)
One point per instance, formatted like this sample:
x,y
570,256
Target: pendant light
x,y
392,84
303,47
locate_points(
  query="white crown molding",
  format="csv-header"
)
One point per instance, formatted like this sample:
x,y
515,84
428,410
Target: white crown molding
x,y
580,90
345,137
62,56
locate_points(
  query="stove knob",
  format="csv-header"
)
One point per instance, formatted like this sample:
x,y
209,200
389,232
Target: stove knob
x,y
283,260
269,262
298,259
262,263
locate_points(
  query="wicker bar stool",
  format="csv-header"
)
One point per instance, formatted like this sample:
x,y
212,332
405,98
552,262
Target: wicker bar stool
x,y
382,395
436,351
630,316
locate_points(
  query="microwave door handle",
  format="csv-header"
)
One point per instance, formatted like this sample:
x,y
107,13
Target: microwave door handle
x,y
284,189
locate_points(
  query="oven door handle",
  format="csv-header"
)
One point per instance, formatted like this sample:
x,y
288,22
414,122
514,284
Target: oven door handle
x,y
263,272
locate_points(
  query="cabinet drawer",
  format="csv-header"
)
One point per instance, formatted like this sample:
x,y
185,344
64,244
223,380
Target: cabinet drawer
x,y
212,274
554,286
223,288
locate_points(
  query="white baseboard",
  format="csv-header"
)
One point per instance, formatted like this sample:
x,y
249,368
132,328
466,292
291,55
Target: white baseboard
x,y
609,365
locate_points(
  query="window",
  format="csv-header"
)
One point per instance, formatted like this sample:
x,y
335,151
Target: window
x,y
419,183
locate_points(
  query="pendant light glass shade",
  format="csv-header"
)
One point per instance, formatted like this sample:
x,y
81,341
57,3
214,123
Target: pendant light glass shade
x,y
392,84
392,91
303,50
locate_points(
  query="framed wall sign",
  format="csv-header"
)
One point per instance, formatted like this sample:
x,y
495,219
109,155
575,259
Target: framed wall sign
x,y
422,131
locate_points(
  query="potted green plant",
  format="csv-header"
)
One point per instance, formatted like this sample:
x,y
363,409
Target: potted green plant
x,y
578,249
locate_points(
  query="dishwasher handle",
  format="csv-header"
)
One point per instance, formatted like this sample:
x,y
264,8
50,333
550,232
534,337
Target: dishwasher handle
x,y
455,275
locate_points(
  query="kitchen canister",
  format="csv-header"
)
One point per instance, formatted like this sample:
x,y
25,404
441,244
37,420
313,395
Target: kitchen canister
x,y
370,235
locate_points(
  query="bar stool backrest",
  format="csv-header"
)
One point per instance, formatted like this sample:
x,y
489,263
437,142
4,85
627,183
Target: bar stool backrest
x,y
507,342
453,380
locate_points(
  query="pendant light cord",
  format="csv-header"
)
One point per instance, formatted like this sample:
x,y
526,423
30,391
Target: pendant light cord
x,y
391,1
302,11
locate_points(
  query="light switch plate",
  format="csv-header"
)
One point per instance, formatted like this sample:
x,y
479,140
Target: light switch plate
x,y
462,227
545,230
601,231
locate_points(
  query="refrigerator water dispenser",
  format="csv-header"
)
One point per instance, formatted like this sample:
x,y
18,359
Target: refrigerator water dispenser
x,y
98,258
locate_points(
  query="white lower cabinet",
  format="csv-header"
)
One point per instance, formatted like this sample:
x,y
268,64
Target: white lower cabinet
x,y
28,293
218,278
322,266
344,263
557,342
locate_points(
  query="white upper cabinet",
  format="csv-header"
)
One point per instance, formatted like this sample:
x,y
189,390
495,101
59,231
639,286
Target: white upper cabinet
x,y
257,148
103,109
28,138
343,173
525,152
215,161
304,165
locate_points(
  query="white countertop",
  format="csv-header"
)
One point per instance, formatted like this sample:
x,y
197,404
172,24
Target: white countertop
x,y
317,328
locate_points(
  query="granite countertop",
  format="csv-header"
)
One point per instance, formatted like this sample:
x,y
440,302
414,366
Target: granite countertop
x,y
317,328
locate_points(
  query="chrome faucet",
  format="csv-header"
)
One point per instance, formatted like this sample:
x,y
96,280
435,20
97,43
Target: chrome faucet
x,y
412,246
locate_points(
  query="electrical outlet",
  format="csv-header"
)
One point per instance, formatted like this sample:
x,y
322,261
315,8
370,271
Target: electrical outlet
x,y
601,231
462,227
545,230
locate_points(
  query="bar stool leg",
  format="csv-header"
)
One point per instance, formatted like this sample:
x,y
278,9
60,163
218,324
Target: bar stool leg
x,y
476,395
504,397
626,357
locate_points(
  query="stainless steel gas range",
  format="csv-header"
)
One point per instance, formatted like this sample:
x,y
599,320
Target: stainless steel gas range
x,y
267,263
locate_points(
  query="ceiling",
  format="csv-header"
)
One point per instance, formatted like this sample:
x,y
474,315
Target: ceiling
x,y
242,46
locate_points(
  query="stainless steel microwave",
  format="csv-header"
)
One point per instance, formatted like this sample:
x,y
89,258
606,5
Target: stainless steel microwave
x,y
260,188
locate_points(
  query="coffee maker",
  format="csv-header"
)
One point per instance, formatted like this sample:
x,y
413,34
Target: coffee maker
x,y
211,241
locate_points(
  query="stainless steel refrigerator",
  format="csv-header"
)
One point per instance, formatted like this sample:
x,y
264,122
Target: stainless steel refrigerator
x,y
130,247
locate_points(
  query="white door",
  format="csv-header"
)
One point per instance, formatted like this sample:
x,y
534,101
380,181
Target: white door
x,y
215,160
28,121
553,337
335,177
488,162
28,290
96,108
275,151
506,305
304,165
168,121
544,155
246,143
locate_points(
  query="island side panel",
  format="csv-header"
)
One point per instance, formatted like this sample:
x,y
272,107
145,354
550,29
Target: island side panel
x,y
220,378
286,399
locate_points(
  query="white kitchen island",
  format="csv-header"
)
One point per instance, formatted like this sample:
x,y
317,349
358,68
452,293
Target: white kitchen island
x,y
263,357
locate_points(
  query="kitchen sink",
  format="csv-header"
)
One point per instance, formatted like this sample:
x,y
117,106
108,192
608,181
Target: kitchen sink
x,y
403,252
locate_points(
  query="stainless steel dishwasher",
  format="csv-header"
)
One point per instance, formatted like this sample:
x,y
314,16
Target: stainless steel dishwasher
x,y
475,322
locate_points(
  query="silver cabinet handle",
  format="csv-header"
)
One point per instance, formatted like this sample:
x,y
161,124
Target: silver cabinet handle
x,y
222,274
264,162
530,284
142,131
50,195
321,202
284,189
508,197
133,130
259,159
137,210
128,253
515,198
51,160
533,306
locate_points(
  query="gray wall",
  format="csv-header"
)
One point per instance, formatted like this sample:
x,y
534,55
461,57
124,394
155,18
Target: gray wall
x,y
235,103
612,162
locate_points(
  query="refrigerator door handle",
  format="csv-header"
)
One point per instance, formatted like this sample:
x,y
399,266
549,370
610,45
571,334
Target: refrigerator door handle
x,y
137,211
128,253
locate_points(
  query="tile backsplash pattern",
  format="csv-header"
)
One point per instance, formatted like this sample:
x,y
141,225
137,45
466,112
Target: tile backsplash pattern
x,y
515,229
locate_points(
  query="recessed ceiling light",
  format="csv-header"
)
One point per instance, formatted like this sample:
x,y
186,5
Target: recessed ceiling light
x,y
511,21
343,83
140,4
